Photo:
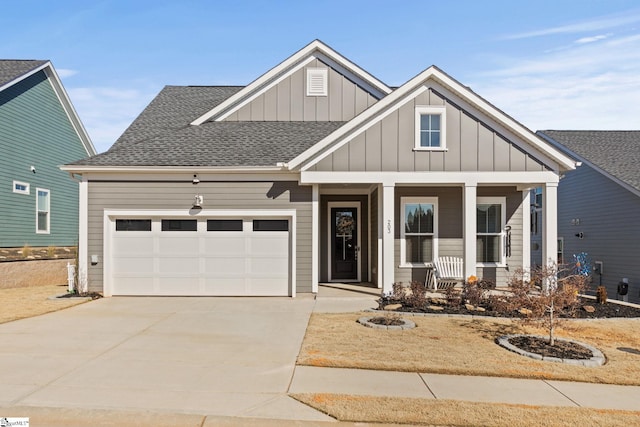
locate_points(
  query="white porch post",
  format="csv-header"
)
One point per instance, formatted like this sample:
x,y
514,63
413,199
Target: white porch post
x,y
315,240
388,238
549,223
83,236
379,277
470,230
526,230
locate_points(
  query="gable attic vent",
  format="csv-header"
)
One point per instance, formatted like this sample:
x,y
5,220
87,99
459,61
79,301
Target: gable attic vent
x,y
317,81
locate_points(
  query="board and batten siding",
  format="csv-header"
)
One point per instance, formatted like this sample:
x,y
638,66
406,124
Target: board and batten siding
x,y
608,218
450,229
36,131
288,100
388,145
277,195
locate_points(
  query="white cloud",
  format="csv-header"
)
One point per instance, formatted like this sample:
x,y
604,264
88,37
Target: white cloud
x,y
592,39
106,112
65,72
596,24
591,86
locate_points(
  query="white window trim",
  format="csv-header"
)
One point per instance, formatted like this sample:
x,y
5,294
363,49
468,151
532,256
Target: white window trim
x,y
560,249
315,73
48,230
434,110
403,256
26,184
502,201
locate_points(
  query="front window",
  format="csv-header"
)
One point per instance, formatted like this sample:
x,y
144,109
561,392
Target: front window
x,y
490,215
20,187
42,210
419,230
430,128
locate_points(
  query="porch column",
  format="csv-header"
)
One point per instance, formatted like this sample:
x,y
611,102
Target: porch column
x,y
388,240
83,237
549,223
315,238
470,230
526,230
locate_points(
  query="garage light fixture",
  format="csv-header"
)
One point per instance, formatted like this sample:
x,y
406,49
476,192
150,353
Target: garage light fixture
x,y
197,201
195,180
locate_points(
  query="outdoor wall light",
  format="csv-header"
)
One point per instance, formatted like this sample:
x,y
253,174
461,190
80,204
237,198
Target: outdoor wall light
x,y
195,180
197,201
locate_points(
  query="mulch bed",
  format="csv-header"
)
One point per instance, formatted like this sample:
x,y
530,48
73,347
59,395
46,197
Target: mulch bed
x,y
601,311
37,253
92,295
561,349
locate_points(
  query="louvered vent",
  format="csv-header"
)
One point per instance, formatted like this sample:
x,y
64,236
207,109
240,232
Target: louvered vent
x,y
317,81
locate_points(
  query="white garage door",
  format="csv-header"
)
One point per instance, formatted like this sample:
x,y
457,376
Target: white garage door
x,y
216,257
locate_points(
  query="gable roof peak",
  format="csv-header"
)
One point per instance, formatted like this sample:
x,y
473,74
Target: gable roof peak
x,y
315,49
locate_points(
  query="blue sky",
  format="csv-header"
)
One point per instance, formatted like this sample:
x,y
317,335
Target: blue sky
x,y
559,64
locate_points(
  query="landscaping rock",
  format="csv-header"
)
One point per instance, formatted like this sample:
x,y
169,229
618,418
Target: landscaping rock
x,y
480,309
525,311
392,307
589,308
470,307
435,308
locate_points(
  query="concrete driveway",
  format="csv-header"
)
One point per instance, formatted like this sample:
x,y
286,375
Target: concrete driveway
x,y
218,356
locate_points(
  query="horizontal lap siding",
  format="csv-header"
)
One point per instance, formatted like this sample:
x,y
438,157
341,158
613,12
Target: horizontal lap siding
x,y
607,215
36,131
224,195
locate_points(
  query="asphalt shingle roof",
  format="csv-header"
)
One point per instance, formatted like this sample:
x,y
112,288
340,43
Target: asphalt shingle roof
x,y
11,69
162,135
615,152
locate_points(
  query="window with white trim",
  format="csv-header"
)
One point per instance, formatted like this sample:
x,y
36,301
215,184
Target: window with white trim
x,y
43,211
490,216
560,250
430,128
21,187
317,81
419,230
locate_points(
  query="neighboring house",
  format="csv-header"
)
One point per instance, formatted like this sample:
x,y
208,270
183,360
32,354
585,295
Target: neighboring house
x,y
39,132
315,172
599,203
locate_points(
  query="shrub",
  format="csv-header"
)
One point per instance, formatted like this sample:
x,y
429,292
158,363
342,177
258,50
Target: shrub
x,y
601,295
26,250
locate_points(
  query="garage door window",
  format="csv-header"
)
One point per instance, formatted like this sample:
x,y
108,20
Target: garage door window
x,y
133,225
179,225
270,225
224,225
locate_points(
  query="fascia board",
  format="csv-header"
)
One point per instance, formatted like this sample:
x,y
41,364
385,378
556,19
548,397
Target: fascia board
x,y
166,169
406,90
563,160
231,104
70,110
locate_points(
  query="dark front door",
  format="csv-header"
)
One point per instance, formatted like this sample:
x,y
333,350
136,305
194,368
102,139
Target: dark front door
x,y
344,243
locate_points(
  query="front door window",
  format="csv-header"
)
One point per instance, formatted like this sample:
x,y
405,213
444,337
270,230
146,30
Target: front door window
x,y
344,243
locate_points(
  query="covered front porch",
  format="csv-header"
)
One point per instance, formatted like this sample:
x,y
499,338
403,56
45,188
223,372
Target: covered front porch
x,y
386,227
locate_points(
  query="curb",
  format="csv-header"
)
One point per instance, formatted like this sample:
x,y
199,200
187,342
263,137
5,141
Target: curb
x,y
596,360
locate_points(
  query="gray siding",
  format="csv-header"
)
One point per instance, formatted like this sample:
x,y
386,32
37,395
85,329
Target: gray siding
x,y
220,195
608,218
450,228
287,101
388,145
36,131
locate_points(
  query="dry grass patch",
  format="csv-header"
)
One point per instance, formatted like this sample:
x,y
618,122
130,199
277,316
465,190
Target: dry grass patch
x,y
20,303
457,413
467,347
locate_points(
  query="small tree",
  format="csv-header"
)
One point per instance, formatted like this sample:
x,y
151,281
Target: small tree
x,y
547,296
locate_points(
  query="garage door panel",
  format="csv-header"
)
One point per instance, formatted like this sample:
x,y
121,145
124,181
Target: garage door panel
x,y
224,265
176,245
216,263
221,245
138,265
133,245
